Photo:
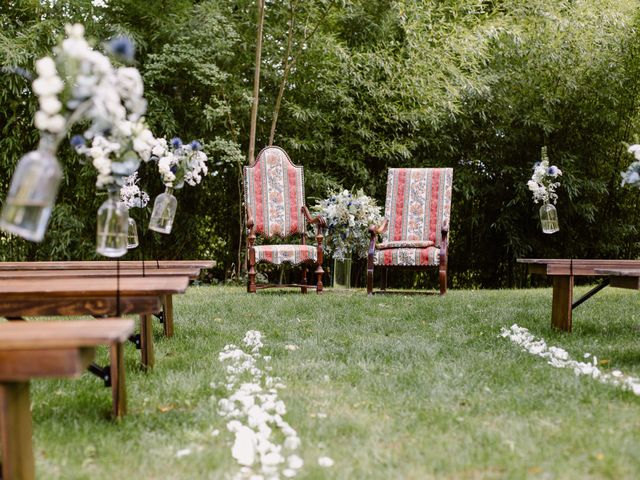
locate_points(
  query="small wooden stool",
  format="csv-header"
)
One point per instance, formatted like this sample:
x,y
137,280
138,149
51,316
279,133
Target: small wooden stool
x,y
43,350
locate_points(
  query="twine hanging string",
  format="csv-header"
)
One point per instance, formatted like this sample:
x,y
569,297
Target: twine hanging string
x,y
118,288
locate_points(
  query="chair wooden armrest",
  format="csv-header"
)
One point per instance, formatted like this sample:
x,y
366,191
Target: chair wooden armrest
x,y
318,219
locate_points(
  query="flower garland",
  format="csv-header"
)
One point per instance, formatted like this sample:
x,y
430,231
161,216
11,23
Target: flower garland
x,y
348,219
542,182
255,413
559,358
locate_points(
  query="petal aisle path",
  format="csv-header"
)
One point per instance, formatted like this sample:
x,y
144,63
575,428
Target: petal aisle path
x,y
254,414
559,358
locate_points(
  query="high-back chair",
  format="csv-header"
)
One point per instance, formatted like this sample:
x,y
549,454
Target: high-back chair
x,y
416,223
274,198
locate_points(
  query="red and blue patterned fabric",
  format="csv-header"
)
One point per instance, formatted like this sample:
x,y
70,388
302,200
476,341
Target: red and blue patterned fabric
x,y
279,254
417,207
274,194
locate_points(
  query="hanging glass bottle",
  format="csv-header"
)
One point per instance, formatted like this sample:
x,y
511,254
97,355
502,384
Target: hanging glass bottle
x,y
164,210
33,191
132,234
549,218
113,225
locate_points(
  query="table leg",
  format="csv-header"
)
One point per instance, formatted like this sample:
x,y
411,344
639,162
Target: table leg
x,y
167,308
118,388
16,432
146,341
561,315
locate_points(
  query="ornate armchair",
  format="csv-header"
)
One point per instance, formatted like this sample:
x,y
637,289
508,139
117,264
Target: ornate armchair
x,y
274,198
416,223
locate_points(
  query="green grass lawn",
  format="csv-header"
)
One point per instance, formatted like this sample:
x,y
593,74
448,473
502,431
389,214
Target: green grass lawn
x,y
412,388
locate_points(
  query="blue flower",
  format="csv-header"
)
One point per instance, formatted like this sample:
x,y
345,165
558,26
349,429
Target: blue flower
x,y
176,142
553,170
121,47
174,169
196,145
77,141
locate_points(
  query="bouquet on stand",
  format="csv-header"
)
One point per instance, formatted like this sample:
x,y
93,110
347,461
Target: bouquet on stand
x,y
348,219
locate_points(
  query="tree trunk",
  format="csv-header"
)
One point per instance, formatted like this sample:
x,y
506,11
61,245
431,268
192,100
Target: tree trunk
x,y
256,83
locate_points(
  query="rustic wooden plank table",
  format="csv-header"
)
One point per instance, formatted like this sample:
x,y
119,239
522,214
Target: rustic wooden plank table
x,y
108,296
622,277
45,350
563,271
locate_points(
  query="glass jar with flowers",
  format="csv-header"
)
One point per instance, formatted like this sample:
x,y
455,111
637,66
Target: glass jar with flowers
x,y
92,90
177,163
132,197
348,219
543,184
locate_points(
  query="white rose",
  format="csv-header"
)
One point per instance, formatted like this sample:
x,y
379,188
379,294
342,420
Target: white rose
x,y
50,104
46,67
47,86
74,31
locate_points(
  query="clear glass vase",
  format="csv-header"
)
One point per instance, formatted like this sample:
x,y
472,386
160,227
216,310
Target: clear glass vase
x,y
164,211
549,218
113,226
132,234
342,273
32,194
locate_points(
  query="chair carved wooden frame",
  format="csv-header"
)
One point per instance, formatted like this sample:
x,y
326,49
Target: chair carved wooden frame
x,y
274,199
416,224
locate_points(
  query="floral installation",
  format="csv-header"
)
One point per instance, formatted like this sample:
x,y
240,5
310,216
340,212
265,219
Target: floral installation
x,y
632,175
179,162
254,414
79,82
543,182
348,219
130,193
559,358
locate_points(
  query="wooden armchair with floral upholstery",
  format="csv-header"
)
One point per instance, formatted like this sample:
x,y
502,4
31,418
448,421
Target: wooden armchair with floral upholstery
x,y
416,223
274,199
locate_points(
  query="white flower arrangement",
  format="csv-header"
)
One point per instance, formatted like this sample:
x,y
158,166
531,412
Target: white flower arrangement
x,y
632,175
543,182
79,82
179,163
348,219
131,195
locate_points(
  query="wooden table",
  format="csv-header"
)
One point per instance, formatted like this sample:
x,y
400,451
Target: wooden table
x,y
108,264
563,271
95,296
622,277
45,350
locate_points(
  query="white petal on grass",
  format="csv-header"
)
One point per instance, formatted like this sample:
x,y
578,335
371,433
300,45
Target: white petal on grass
x,y
183,453
559,358
244,447
325,462
295,462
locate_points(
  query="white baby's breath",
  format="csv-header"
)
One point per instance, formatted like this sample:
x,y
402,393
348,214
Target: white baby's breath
x,y
542,182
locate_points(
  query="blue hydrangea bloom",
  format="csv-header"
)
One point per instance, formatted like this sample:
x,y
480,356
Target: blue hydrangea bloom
x,y
176,142
196,145
553,170
122,47
77,141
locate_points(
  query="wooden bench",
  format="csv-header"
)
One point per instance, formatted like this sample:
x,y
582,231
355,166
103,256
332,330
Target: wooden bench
x,y
96,296
78,268
563,271
166,316
46,350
